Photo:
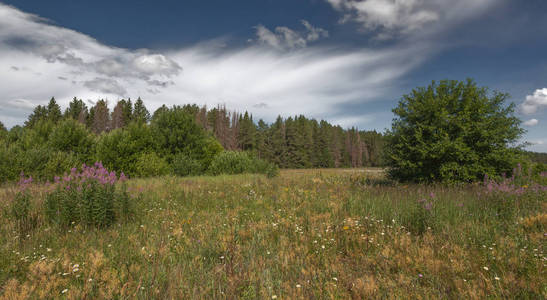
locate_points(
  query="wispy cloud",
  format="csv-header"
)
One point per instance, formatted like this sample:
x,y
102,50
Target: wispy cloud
x,y
285,38
392,18
283,72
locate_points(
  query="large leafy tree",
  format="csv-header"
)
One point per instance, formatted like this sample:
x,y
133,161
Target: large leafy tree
x,y
175,131
452,131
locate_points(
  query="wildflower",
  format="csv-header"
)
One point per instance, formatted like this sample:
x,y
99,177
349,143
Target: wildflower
x,y
485,268
274,296
420,275
298,286
64,291
497,278
334,278
346,227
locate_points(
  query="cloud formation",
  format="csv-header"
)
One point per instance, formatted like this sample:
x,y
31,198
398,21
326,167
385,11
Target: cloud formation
x,y
534,102
285,38
391,18
282,72
531,122
28,35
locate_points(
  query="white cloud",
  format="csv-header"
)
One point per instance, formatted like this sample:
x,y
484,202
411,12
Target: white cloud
x,y
531,122
534,102
39,60
391,18
285,38
24,33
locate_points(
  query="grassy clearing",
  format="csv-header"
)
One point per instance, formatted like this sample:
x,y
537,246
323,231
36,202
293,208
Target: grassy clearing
x,y
305,234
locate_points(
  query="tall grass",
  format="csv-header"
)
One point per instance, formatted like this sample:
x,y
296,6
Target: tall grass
x,y
304,234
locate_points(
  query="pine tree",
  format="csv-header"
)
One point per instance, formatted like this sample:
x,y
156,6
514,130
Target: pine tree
x,y
324,157
247,133
278,143
262,145
39,113
117,118
127,111
101,117
140,113
75,108
53,111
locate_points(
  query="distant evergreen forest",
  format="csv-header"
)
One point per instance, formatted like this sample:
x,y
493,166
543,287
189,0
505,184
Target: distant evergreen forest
x,y
129,135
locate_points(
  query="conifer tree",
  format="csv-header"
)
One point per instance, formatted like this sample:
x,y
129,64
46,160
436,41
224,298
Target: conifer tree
x,y
39,113
140,113
117,118
101,117
247,133
53,111
75,108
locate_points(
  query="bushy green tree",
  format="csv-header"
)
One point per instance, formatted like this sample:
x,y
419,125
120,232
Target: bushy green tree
x,y
175,131
452,131
73,137
150,164
120,149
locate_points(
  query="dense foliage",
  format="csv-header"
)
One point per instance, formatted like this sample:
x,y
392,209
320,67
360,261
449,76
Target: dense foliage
x,y
181,140
452,131
233,162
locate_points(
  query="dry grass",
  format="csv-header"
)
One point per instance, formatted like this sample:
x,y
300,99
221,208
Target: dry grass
x,y
306,234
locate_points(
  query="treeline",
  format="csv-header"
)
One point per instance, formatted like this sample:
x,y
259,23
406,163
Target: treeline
x,y
537,157
182,140
295,142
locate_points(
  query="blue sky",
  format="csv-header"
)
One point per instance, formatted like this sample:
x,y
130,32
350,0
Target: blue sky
x,y
346,61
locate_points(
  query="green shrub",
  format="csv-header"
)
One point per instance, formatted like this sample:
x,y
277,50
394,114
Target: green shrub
x,y
176,131
59,162
150,164
120,149
72,137
183,165
235,162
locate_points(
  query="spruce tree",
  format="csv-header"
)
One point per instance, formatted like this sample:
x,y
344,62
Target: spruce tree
x,y
140,113
53,111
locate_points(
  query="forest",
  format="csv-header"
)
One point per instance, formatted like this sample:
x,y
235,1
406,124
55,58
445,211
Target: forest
x,y
181,140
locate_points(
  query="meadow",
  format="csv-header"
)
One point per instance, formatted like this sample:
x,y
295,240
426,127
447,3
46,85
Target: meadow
x,y
305,234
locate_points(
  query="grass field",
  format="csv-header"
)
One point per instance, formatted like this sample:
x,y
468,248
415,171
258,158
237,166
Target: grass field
x,y
306,234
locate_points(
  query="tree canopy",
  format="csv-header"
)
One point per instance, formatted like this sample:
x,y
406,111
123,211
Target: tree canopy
x,y
452,131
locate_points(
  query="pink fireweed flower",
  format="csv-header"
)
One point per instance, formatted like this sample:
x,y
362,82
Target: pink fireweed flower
x,y
122,177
